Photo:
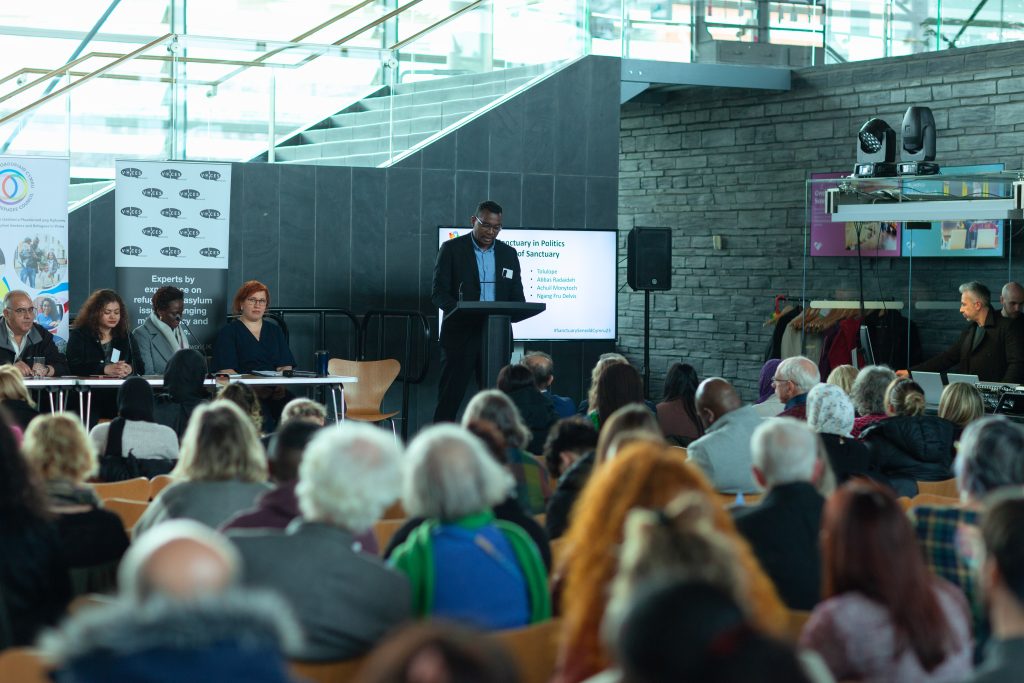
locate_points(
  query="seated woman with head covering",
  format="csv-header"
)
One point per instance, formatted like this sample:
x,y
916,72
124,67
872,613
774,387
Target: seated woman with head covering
x,y
463,563
830,413
133,444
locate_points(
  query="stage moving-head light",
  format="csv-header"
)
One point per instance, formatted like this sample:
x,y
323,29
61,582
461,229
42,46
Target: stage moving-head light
x,y
918,154
876,150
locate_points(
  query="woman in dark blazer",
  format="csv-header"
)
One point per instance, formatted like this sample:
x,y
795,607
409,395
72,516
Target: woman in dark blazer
x,y
100,330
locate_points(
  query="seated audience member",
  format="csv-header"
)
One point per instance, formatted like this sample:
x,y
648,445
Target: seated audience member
x,y
180,618
605,360
569,454
632,418
868,396
843,377
93,539
910,446
723,453
961,404
34,583
462,563
783,528
696,631
768,403
305,409
536,410
439,652
161,336
507,510
618,385
884,617
222,470
243,396
532,486
345,600
677,412
183,391
15,398
99,342
543,368
1002,579
793,379
132,444
989,459
830,413
643,475
23,339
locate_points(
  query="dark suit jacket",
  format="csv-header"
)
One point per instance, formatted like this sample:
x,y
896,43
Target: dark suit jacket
x,y
345,601
456,266
783,531
999,357
40,343
85,353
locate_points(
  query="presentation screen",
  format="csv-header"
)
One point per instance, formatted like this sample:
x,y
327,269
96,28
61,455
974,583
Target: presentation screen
x,y
572,271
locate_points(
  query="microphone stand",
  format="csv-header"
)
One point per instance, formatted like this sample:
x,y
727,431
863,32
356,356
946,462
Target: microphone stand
x,y
184,324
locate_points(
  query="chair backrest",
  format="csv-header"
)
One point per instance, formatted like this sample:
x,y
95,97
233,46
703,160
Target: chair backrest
x,y
795,620
129,489
932,501
558,551
679,450
23,665
534,648
946,487
384,529
327,672
90,600
128,510
375,378
158,484
395,511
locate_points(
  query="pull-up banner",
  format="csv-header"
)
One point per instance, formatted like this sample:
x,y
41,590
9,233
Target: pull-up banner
x,y
171,228
34,236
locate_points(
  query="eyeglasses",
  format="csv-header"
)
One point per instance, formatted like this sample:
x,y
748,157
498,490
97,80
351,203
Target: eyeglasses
x,y
776,381
256,302
23,311
488,226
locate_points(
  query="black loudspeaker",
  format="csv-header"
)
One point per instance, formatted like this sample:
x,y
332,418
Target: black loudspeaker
x,y
649,259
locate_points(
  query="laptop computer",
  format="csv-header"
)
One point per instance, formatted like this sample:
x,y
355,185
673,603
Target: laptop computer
x,y
931,382
966,379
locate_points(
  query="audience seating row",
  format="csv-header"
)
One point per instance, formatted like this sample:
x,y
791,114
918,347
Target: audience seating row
x,y
138,489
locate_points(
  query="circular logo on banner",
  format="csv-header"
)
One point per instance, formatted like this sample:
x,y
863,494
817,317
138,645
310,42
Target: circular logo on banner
x,y
15,187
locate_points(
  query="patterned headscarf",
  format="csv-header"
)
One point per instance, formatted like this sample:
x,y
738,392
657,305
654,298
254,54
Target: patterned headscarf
x,y
764,387
829,410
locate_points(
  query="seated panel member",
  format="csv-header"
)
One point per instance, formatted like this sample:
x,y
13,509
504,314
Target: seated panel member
x,y
22,339
100,329
991,346
161,335
245,343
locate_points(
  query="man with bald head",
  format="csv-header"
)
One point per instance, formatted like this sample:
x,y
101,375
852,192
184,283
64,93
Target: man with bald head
x,y
1011,299
22,339
723,453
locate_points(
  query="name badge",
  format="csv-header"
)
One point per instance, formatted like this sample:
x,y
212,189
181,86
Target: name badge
x,y
506,273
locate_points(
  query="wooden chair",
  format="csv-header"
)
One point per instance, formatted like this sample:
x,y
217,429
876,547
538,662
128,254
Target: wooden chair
x,y
363,398
128,510
23,665
558,551
90,600
384,530
129,489
541,518
946,488
395,511
932,500
680,451
795,620
158,484
534,648
327,672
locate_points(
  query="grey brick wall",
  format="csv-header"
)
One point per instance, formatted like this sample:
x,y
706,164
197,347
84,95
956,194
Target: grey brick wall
x,y
714,161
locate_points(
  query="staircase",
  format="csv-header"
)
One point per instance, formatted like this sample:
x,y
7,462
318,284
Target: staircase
x,y
359,135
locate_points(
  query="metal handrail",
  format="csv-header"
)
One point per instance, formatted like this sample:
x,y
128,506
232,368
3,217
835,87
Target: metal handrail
x,y
390,15
399,45
71,86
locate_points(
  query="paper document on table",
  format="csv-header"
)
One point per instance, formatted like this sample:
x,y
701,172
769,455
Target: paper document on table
x,y
267,373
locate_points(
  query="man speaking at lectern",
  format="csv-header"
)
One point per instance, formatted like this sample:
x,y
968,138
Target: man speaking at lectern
x,y
474,267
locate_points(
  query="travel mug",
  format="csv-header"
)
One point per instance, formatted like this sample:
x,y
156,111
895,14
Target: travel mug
x,y
320,359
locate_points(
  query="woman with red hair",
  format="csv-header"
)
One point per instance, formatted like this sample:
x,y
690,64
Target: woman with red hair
x,y
642,475
245,343
884,617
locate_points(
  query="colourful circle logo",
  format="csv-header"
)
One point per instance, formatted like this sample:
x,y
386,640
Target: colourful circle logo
x,y
14,187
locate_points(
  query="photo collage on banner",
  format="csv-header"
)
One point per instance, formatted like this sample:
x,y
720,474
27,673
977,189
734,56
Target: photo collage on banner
x,y
171,228
34,236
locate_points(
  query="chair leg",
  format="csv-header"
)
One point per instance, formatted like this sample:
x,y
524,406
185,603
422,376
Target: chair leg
x,y
394,432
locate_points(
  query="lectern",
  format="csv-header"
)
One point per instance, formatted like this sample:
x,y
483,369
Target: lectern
x,y
495,319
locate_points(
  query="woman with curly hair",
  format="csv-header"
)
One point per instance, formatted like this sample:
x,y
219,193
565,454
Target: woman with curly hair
x,y
643,475
243,396
99,342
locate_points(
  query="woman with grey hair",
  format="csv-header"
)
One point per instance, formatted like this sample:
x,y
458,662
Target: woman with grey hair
x,y
463,563
991,456
533,488
221,471
830,413
868,396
